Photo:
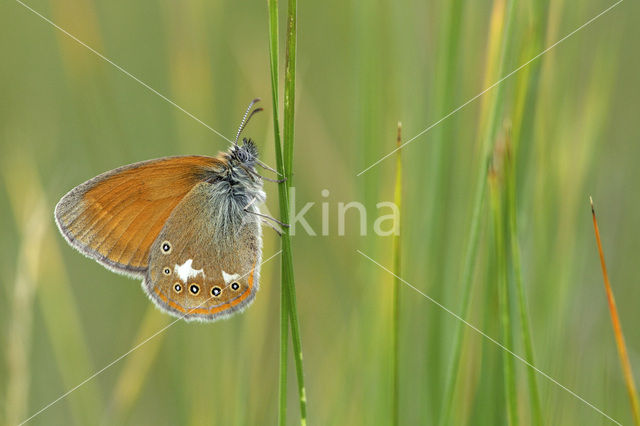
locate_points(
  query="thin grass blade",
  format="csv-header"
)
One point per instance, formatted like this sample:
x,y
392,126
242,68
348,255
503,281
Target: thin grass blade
x,y
617,327
284,164
510,177
495,110
508,362
395,414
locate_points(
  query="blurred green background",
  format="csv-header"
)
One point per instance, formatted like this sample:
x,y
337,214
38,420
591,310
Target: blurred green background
x,y
66,115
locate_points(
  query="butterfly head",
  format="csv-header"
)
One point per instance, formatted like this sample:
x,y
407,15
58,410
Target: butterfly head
x,y
245,154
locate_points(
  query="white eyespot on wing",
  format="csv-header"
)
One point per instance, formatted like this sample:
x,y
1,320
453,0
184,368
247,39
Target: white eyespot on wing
x,y
185,271
229,278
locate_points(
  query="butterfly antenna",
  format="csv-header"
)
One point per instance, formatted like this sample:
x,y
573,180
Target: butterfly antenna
x,y
245,119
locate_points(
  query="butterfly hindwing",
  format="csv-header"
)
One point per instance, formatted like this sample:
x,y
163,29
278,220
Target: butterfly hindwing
x,y
116,216
198,270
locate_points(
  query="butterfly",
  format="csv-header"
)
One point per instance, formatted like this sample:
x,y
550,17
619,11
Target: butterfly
x,y
188,226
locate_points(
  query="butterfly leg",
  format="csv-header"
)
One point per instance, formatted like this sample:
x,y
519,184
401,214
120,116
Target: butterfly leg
x,y
259,176
272,226
253,200
286,225
264,166
273,180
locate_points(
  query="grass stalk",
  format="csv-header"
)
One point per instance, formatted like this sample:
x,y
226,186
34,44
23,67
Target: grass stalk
x,y
60,312
495,113
521,132
284,311
438,186
510,178
135,371
290,89
284,164
19,329
508,362
395,412
617,327
289,120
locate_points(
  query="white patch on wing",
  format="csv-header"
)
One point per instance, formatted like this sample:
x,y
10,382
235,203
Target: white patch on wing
x,y
185,271
229,278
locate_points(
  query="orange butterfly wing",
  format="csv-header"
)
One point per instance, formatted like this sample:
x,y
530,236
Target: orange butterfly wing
x,y
116,216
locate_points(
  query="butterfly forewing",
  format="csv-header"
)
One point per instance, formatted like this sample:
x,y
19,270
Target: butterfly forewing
x,y
116,216
196,273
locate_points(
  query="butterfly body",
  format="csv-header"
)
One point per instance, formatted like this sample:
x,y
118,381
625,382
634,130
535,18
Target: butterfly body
x,y
188,226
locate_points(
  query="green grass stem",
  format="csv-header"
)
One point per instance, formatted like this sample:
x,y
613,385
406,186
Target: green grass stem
x,y
438,185
284,312
508,361
284,164
472,244
137,366
59,310
521,132
19,333
396,287
525,327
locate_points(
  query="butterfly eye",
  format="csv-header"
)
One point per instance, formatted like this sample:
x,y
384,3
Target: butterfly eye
x,y
177,287
215,292
166,271
166,247
194,288
235,286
